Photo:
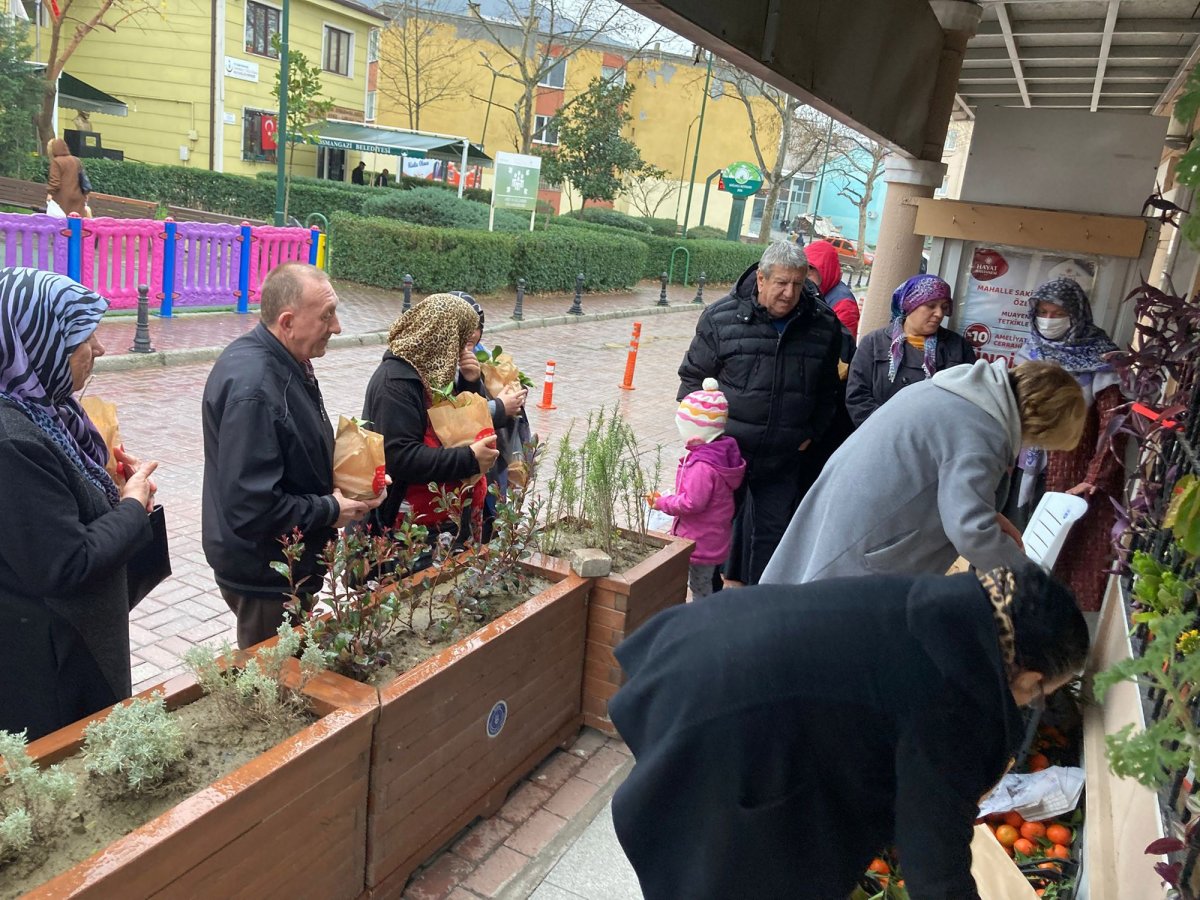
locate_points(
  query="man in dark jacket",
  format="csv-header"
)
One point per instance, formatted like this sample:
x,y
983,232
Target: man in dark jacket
x,y
268,452
773,347
358,174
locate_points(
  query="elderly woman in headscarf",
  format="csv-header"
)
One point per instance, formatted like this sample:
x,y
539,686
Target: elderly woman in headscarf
x,y
1061,331
425,346
64,186
912,348
68,531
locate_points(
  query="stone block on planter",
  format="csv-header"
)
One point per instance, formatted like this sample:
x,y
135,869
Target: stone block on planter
x,y
589,562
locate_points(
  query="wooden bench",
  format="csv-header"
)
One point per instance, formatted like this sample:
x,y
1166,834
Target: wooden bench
x,y
25,194
121,207
184,214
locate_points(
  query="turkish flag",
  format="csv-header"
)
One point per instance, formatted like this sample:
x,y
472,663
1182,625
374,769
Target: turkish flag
x,y
55,10
268,132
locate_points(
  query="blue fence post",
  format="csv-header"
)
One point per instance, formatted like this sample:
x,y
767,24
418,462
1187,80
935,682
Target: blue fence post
x,y
314,246
243,304
75,247
168,273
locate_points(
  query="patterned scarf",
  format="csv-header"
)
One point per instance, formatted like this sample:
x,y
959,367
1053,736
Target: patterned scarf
x,y
1083,347
430,337
1000,586
44,317
917,291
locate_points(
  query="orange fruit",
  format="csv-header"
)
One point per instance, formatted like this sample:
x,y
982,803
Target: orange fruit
x,y
1025,846
1007,835
1059,834
879,867
1038,761
1014,819
1058,851
1033,830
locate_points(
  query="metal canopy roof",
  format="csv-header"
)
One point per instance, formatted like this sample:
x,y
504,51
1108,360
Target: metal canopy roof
x,y
394,141
1117,55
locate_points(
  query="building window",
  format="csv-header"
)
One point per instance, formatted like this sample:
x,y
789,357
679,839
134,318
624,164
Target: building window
x,y
338,50
262,24
258,135
545,130
556,77
616,75
39,11
373,45
369,112
800,194
951,141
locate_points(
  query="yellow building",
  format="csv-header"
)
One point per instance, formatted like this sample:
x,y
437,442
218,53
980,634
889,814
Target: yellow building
x,y
196,78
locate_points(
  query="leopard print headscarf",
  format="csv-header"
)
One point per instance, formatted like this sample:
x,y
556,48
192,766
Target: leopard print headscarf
x,y
431,335
1000,586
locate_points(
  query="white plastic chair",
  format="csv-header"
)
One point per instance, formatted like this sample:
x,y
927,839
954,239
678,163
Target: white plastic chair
x,y
1048,526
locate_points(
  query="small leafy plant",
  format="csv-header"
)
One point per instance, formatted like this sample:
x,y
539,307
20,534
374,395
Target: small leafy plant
x,y
135,749
31,799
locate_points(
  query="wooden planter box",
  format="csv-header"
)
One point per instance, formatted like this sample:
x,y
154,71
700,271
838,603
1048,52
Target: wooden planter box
x,y
445,748
290,823
617,606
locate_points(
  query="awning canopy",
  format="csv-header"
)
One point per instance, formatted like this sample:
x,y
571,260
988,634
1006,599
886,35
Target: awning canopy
x,y
394,141
76,94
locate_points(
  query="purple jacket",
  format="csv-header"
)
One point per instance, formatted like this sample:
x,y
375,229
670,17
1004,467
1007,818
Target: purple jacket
x,y
703,500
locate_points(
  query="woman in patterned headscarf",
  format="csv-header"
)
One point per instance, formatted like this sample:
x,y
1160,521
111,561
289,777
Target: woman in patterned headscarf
x,y
68,532
1061,330
910,349
424,349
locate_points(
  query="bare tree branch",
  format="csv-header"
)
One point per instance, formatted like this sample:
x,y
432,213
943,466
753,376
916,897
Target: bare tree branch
x,y
422,68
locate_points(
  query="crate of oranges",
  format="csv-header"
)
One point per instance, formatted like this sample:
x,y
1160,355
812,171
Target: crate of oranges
x,y
1043,851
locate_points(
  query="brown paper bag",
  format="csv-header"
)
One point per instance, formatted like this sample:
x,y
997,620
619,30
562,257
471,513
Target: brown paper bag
x,y
104,416
358,463
498,375
462,420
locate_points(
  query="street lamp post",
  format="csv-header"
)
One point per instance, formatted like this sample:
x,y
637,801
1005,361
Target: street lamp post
x,y
812,222
696,155
281,124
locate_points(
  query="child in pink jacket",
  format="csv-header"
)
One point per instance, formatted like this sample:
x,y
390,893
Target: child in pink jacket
x,y
710,471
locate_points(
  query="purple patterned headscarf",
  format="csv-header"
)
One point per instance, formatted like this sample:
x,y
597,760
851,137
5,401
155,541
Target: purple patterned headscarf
x,y
917,291
44,317
1084,346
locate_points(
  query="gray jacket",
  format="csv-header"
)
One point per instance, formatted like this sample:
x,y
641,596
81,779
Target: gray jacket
x,y
914,487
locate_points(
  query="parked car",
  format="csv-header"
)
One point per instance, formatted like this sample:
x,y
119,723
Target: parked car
x,y
848,252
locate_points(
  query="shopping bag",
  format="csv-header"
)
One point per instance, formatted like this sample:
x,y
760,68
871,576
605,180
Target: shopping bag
x,y
499,374
461,420
53,209
358,461
151,565
104,417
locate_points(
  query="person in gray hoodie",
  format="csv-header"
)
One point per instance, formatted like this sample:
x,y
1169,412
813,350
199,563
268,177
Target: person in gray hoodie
x,y
943,445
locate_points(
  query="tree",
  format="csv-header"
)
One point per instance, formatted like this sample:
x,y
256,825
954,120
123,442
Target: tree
x,y
20,96
107,14
792,135
536,36
647,195
305,107
418,68
592,154
859,165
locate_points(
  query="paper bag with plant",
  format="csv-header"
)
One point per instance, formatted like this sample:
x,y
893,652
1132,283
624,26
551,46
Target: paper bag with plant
x,y
358,463
499,371
104,416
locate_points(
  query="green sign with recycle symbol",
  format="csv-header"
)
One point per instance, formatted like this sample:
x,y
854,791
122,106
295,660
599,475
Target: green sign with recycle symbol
x,y
742,179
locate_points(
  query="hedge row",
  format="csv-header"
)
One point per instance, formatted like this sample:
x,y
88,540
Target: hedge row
x,y
403,183
381,251
441,209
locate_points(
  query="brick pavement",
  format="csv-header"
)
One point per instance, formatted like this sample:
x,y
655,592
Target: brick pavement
x,y
160,419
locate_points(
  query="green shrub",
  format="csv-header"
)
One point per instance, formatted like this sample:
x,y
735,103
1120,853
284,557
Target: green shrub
x,y
549,261
135,748
661,227
380,251
599,215
439,209
31,801
720,261
706,232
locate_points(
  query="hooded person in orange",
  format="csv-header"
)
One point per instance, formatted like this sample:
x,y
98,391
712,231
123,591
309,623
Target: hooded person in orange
x,y
825,262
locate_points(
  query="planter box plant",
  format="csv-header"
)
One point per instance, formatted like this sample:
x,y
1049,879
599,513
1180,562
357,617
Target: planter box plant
x,y
292,821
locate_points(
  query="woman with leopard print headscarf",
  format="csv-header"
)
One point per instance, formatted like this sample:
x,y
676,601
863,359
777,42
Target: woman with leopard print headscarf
x,y
424,348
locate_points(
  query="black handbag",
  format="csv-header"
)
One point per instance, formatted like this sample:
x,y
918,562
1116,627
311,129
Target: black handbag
x,y
85,183
151,565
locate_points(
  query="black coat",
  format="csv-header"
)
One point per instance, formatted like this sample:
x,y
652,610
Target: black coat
x,y
395,406
64,602
868,388
268,466
785,735
782,389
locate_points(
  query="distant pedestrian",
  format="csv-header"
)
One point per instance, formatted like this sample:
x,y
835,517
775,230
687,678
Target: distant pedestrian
x,y
826,273
710,471
65,185
383,178
359,174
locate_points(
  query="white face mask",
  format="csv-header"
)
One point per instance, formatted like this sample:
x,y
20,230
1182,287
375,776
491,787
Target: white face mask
x,y
1053,328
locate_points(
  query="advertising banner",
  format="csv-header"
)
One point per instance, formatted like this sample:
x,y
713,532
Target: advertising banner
x,y
994,313
517,177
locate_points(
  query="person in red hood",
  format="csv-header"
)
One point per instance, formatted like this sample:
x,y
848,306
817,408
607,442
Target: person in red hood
x,y
825,262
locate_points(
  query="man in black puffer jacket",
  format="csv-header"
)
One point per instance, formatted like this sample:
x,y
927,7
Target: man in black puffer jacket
x,y
773,346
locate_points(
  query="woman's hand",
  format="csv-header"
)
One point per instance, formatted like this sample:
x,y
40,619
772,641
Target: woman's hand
x,y
513,397
485,453
468,365
1083,489
140,486
126,464
1010,529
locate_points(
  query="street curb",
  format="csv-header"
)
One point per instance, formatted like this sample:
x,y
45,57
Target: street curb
x,y
127,362
535,872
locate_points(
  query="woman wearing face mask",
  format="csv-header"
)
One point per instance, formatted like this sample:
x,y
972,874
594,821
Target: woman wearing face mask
x,y
1061,331
912,348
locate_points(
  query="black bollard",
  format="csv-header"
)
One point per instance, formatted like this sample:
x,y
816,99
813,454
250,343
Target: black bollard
x,y
141,337
699,298
519,309
407,293
577,307
662,293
